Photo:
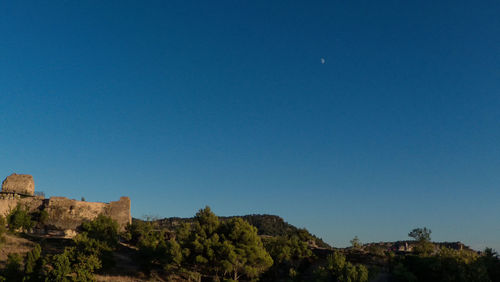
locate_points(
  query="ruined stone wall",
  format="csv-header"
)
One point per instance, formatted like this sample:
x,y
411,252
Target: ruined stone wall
x,y
64,215
120,211
9,201
20,184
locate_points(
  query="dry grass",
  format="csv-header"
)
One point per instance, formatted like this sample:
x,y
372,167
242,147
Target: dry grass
x,y
126,268
13,245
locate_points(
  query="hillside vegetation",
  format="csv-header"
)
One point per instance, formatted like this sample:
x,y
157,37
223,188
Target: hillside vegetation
x,y
211,248
267,225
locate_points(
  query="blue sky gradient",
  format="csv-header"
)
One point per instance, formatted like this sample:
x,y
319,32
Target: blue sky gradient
x,y
182,104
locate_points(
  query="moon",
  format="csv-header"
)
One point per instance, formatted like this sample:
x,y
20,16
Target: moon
x,y
323,61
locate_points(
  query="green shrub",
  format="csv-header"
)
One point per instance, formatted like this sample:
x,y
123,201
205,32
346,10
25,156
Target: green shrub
x,y
19,218
103,229
58,267
376,250
3,229
13,267
339,269
32,262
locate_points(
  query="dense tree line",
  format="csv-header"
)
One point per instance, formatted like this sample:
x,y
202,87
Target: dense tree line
x,y
231,249
267,225
205,247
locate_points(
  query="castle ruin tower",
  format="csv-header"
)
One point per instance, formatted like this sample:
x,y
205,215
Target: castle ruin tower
x,y
22,184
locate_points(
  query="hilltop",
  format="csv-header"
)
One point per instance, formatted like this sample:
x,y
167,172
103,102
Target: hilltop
x,y
267,225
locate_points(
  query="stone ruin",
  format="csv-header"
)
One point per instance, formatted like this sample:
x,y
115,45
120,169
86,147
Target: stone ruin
x,y
64,216
21,184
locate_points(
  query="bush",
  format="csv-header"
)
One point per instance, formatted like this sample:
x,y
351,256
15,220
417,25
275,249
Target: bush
x,y
447,265
32,262
339,269
93,250
19,218
103,229
58,267
13,267
376,250
99,239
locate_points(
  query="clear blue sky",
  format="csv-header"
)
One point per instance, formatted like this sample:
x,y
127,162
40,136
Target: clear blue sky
x,y
182,104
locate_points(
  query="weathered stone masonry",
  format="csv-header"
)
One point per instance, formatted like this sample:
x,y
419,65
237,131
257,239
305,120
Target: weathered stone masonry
x,y
64,215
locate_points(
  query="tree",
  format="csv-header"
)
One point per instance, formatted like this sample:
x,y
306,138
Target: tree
x,y
356,243
33,263
200,241
19,218
13,268
58,267
92,250
103,229
420,234
491,261
243,251
213,247
339,269
423,238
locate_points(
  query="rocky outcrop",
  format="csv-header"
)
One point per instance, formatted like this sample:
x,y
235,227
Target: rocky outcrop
x,y
408,246
21,184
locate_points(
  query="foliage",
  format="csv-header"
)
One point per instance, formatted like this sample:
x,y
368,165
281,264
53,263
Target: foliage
x,y
103,229
356,243
267,225
206,245
3,229
58,267
92,250
43,216
376,250
424,245
33,264
491,262
98,240
208,248
242,251
155,248
291,255
420,234
289,250
339,269
446,265
138,228
423,248
13,267
19,218
401,273
76,263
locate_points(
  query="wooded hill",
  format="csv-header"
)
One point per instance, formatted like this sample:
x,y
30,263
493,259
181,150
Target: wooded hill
x,y
267,225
